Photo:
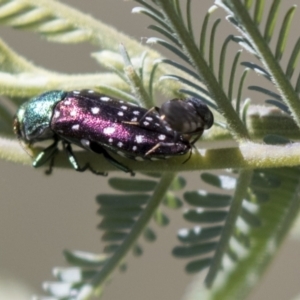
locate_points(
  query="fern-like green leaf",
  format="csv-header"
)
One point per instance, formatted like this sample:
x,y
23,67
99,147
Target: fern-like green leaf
x,y
272,20
233,232
283,35
232,75
195,57
125,218
293,60
276,193
251,32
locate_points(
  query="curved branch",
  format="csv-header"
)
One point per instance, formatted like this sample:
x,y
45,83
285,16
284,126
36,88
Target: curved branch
x,y
247,155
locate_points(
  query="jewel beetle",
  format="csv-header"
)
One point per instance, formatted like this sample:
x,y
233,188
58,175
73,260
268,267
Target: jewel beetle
x,y
105,125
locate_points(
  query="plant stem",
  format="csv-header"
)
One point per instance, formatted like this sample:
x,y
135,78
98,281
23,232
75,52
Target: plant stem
x,y
247,155
234,123
289,96
135,232
227,231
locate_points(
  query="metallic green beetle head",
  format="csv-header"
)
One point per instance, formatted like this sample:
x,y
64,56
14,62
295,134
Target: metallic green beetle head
x,y
32,120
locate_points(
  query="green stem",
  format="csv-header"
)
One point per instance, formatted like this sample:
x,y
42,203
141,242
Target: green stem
x,y
29,85
247,155
227,231
277,216
136,231
289,96
138,88
28,80
234,123
100,34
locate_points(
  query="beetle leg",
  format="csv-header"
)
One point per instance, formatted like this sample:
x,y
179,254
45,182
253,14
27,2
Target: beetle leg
x,y
72,159
48,154
51,164
100,150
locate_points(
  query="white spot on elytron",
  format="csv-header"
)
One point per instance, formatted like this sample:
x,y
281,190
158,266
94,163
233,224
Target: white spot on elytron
x,y
121,153
85,143
161,137
95,110
109,130
104,98
136,112
120,113
149,118
110,140
120,144
76,92
134,148
56,114
134,119
91,91
123,107
157,124
121,101
146,123
139,138
67,102
168,128
75,127
73,113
